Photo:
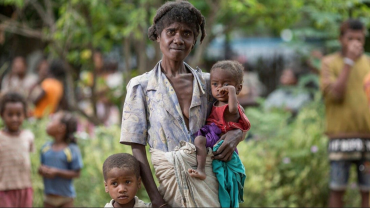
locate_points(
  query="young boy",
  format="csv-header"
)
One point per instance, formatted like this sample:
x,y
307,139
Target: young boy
x,y
122,181
347,112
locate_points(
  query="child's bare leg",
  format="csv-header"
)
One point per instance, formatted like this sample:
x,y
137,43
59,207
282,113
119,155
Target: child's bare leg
x,y
200,145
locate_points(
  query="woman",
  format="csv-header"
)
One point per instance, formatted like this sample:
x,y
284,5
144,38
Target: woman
x,y
172,101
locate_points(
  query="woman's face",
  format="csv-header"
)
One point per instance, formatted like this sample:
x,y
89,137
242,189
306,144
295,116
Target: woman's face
x,y
176,41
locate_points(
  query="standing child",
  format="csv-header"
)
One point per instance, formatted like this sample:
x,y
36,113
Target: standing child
x,y
15,145
122,181
347,112
60,161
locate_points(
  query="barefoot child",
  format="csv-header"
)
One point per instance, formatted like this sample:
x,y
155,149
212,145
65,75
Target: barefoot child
x,y
122,181
227,114
15,146
60,161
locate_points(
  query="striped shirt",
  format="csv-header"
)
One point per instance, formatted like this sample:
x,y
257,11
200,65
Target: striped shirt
x,y
15,165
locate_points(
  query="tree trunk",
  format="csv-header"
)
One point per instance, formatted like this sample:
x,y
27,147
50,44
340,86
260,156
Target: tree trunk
x,y
142,58
197,59
127,71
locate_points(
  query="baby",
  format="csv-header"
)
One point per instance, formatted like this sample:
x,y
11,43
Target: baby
x,y
226,114
122,181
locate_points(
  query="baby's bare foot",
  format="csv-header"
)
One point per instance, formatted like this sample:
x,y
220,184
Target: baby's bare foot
x,y
197,174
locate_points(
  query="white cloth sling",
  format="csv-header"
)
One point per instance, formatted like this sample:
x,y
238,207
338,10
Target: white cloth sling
x,y
176,186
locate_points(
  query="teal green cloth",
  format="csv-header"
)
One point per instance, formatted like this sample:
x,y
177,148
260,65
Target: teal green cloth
x,y
231,177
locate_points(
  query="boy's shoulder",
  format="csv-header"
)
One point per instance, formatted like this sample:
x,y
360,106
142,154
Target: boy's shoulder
x,y
110,204
140,203
46,147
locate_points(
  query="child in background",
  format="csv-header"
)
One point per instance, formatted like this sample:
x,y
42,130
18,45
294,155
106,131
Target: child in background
x,y
122,181
60,161
15,145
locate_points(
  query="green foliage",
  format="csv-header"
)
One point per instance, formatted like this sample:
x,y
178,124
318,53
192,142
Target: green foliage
x,y
289,168
18,3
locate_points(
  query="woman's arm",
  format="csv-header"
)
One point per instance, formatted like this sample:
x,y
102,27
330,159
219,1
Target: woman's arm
x,y
231,140
139,153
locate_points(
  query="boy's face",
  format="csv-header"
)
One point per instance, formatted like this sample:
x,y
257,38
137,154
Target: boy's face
x,y
13,115
122,185
221,78
351,36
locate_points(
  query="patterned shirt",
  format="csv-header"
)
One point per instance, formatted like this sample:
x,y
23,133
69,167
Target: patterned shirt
x,y
152,113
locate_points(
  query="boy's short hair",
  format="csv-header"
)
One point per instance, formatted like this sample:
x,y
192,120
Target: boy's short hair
x,y
351,24
234,67
12,97
121,160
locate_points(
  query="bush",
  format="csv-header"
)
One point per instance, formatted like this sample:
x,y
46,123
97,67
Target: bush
x,y
289,168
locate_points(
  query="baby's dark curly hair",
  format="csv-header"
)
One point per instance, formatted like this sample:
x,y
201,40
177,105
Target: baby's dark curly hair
x,y
178,11
121,160
12,97
234,67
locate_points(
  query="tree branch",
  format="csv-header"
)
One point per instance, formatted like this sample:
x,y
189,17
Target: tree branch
x,y
199,52
13,26
51,18
40,11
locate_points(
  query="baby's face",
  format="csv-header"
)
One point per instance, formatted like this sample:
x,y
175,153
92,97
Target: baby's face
x,y
122,185
221,78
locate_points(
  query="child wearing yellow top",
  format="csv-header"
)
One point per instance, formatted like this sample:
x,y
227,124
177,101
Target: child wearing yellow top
x,y
347,112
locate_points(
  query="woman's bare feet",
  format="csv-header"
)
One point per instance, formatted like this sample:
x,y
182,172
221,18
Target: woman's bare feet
x,y
197,174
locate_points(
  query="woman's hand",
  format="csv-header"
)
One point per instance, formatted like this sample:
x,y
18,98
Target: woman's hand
x,y
231,140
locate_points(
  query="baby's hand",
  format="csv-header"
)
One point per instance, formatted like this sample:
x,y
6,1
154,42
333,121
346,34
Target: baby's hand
x,y
226,90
